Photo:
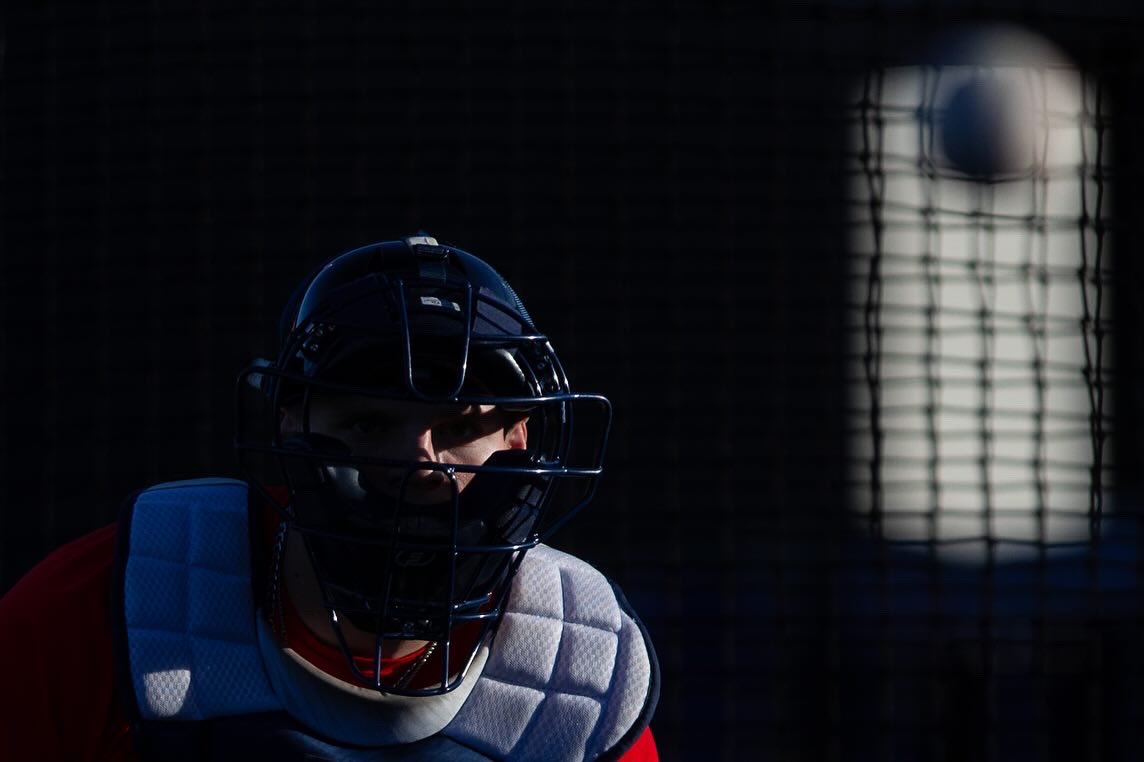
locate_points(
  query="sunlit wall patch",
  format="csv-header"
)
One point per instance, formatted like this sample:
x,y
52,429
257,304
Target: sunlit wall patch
x,y
980,409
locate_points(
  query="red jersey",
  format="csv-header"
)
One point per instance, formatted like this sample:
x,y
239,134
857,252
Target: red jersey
x,y
58,700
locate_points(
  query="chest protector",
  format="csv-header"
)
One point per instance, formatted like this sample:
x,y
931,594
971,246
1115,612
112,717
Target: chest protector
x,y
570,674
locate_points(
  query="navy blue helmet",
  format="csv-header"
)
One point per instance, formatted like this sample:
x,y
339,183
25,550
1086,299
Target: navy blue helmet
x,y
414,321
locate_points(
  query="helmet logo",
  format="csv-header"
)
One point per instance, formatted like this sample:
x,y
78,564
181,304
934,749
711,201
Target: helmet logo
x,y
432,301
413,558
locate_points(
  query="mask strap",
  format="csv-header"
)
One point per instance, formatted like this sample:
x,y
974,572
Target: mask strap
x,y
432,258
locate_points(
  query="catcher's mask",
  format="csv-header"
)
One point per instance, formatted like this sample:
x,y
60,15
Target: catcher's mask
x,y
404,547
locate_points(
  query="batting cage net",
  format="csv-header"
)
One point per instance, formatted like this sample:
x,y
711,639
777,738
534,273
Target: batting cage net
x,y
982,375
982,309
860,278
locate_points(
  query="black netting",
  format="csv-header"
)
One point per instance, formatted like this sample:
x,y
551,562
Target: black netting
x,y
703,207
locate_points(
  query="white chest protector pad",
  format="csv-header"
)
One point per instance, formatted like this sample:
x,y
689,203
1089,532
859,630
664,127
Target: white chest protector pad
x,y
569,675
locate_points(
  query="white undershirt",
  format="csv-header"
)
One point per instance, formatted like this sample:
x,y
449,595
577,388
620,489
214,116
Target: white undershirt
x,y
356,714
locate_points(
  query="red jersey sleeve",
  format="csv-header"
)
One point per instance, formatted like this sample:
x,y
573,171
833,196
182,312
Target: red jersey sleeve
x,y
57,695
643,750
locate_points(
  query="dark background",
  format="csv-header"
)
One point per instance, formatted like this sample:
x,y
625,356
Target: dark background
x,y
663,183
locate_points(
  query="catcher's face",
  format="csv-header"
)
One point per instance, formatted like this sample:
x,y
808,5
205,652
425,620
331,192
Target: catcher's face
x,y
452,434
398,430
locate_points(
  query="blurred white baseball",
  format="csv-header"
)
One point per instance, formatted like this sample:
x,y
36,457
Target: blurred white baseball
x,y
991,111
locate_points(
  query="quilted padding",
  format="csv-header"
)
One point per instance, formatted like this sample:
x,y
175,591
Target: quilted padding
x,y
567,675
188,605
569,671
